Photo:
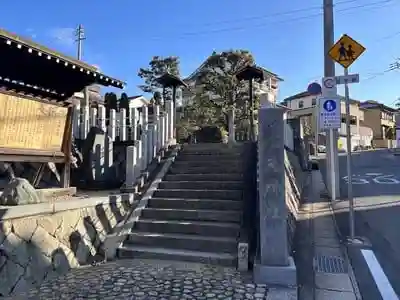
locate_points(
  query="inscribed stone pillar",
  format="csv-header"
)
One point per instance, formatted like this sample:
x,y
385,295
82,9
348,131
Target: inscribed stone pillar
x,y
272,206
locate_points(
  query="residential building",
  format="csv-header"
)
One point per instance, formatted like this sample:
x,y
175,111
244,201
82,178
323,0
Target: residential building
x,y
304,106
137,101
270,84
382,120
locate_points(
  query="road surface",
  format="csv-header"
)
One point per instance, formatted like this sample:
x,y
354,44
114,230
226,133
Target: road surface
x,y
376,190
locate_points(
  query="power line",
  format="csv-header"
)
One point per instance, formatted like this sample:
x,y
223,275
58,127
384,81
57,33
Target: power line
x,y
372,5
277,14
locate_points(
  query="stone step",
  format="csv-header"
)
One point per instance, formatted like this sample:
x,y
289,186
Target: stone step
x,y
208,153
141,252
203,185
184,227
195,204
206,158
200,194
183,241
222,168
191,215
207,163
204,177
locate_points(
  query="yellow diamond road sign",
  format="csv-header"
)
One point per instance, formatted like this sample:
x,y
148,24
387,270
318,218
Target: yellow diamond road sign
x,y
346,51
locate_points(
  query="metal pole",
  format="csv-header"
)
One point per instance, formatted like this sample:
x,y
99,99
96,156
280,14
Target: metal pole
x,y
349,171
329,71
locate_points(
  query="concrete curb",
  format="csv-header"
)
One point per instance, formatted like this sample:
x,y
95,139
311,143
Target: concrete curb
x,y
343,247
116,239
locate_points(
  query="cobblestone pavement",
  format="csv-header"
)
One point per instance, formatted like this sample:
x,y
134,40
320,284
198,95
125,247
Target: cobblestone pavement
x,y
141,279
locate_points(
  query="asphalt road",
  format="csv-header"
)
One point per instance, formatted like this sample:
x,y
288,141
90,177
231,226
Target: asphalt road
x,y
376,190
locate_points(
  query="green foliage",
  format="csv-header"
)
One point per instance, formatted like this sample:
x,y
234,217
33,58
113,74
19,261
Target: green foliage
x,y
158,66
124,102
110,101
210,134
218,78
391,133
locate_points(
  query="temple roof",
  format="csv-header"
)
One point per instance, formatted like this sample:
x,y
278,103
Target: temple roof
x,y
36,70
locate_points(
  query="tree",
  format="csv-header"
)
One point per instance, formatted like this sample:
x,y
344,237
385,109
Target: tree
x,y
218,79
397,103
124,102
158,66
110,102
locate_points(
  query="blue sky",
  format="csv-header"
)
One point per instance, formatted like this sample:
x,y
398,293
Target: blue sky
x,y
285,37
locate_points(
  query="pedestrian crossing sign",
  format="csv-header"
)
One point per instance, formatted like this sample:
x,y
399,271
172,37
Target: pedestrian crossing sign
x,y
346,51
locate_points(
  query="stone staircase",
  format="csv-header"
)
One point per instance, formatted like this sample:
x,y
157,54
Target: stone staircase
x,y
195,214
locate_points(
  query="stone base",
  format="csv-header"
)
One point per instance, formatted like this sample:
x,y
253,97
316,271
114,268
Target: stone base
x,y
275,275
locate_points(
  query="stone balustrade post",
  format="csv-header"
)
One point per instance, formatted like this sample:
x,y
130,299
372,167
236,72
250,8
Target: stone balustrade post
x,y
170,123
122,125
157,121
150,145
275,265
231,126
145,121
102,118
84,122
131,163
112,125
93,117
76,125
162,131
133,116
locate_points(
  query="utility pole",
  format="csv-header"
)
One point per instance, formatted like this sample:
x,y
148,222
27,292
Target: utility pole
x,y
329,71
80,36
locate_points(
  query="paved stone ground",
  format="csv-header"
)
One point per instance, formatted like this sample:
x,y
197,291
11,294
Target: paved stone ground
x,y
141,279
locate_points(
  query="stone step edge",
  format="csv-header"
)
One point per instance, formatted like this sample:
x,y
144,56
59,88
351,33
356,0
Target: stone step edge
x,y
191,210
194,199
193,191
167,251
195,223
181,236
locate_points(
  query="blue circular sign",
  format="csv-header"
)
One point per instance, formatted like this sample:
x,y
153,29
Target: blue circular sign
x,y
314,88
329,105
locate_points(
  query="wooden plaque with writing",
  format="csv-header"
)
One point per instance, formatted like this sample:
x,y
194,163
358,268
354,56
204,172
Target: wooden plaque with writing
x,y
28,124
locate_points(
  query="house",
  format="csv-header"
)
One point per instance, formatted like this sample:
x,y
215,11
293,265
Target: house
x,y
138,101
382,120
270,84
304,106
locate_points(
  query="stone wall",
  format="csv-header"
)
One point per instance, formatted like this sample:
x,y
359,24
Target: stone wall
x,y
294,179
36,245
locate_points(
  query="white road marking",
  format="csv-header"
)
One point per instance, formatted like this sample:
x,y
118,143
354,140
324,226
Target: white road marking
x,y
382,282
373,174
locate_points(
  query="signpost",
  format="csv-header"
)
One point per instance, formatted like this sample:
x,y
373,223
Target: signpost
x,y
315,89
329,113
345,52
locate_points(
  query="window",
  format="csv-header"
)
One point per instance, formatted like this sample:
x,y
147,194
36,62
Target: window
x,y
301,104
314,101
